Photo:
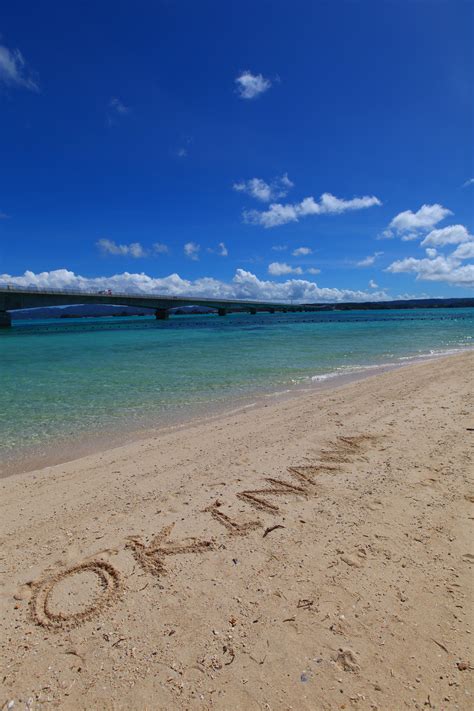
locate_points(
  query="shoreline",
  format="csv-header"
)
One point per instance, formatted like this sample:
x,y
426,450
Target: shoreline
x,y
88,443
315,553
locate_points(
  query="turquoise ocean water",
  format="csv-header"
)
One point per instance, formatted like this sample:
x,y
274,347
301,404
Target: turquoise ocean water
x,y
63,381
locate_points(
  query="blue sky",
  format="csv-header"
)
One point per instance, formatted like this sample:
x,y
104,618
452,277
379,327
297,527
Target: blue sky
x,y
306,150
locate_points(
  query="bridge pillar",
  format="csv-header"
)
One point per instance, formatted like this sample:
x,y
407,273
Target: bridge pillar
x,y
222,312
161,314
5,319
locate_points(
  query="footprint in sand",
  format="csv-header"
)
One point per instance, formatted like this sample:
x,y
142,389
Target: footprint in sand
x,y
347,660
351,561
357,560
375,505
468,558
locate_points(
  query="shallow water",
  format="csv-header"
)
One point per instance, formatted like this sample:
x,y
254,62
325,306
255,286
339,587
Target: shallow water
x,y
64,379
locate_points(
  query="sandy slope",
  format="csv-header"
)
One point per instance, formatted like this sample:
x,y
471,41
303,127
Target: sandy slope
x,y
361,597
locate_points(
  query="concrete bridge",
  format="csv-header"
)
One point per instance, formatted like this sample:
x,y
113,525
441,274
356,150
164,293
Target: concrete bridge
x,y
13,298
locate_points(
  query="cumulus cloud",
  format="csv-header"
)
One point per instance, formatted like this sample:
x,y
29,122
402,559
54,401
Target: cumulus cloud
x,y
464,251
373,284
280,247
280,268
409,225
273,217
454,234
13,70
244,285
369,261
443,269
191,250
278,214
313,270
249,85
468,182
260,190
302,251
134,249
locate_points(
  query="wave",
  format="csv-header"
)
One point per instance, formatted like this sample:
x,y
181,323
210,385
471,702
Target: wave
x,y
399,361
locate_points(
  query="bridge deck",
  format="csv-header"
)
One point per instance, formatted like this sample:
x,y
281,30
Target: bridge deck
x,y
14,298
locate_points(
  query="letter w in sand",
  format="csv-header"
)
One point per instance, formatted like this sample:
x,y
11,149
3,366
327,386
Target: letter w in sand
x,y
278,487
151,557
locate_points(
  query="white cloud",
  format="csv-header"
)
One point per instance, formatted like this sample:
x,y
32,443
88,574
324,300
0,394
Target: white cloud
x,y
134,249
221,250
409,225
370,260
278,214
273,217
249,85
280,247
443,269
191,250
468,182
333,205
373,284
244,285
313,270
464,251
260,190
118,106
256,187
279,268
13,70
302,251
160,248
367,262
454,234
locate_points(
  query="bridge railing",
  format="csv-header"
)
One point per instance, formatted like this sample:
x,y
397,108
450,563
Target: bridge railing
x,y
9,286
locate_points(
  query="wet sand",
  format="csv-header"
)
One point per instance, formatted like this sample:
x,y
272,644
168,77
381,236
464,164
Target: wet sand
x,y
313,553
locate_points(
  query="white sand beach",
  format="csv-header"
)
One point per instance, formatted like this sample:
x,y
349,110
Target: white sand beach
x,y
314,553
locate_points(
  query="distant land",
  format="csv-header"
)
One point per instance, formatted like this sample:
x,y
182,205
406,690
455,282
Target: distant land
x,y
108,310
398,304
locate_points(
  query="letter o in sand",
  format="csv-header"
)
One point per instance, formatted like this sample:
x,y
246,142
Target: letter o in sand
x,y
110,583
